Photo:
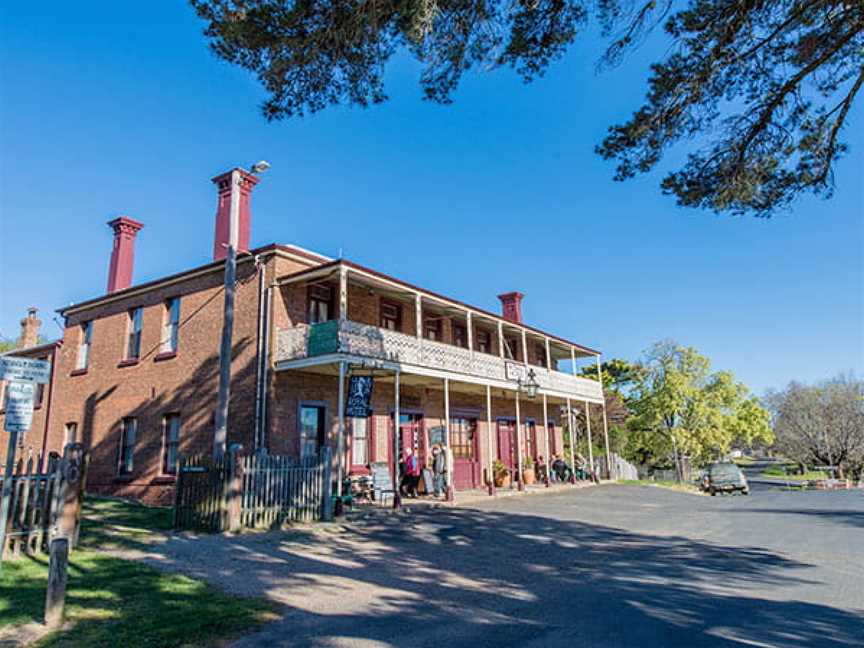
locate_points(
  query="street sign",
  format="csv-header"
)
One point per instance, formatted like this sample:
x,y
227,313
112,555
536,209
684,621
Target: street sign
x,y
15,368
19,406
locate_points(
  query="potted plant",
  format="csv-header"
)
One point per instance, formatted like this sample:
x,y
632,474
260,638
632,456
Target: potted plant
x,y
500,474
529,476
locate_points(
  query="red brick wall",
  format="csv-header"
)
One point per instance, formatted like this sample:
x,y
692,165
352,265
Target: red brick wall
x,y
185,384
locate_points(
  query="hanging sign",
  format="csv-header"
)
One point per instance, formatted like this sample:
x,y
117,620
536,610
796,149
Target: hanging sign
x,y
323,339
19,406
14,368
359,396
515,371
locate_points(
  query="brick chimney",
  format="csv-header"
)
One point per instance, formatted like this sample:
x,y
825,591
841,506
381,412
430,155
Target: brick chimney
x,y
29,329
511,306
123,253
223,212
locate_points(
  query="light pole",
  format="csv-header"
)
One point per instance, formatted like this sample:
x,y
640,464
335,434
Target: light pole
x,y
220,436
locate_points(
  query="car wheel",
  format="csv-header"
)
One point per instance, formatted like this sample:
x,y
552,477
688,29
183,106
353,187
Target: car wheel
x,y
712,491
745,491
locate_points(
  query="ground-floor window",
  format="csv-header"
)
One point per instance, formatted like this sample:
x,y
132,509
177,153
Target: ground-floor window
x,y
462,434
360,441
70,434
128,433
311,429
171,443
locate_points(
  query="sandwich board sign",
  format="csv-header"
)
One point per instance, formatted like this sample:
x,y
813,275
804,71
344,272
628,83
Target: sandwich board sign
x,y
19,406
13,368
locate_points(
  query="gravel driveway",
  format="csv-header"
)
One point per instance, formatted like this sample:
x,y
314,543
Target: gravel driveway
x,y
608,566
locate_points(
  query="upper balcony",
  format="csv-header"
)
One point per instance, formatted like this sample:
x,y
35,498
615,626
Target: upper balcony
x,y
342,310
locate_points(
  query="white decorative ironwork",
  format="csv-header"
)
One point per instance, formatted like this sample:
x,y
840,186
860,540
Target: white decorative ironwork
x,y
364,340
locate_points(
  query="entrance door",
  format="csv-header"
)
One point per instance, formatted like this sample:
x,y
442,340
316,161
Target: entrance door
x,y
530,449
507,443
463,444
410,435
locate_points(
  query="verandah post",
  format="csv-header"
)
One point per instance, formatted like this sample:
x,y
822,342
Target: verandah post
x,y
397,498
340,438
519,445
546,437
489,459
571,428
450,462
590,442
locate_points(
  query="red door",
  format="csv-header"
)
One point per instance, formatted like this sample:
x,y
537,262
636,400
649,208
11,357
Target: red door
x,y
530,448
507,443
410,436
463,445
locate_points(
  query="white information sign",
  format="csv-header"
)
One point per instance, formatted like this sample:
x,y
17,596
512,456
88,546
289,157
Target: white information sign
x,y
19,406
15,368
515,371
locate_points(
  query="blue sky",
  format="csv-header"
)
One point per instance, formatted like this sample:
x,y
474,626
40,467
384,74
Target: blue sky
x,y
109,108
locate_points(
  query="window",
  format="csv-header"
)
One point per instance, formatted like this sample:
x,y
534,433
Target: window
x,y
133,343
462,432
311,430
391,316
171,328
70,433
460,336
170,443
432,329
359,441
5,394
540,355
128,432
511,348
320,303
39,396
84,346
484,342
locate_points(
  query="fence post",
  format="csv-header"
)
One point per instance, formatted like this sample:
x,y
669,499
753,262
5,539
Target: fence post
x,y
178,492
327,504
70,501
234,484
55,595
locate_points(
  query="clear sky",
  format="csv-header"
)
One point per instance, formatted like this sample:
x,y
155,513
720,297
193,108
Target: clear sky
x,y
114,108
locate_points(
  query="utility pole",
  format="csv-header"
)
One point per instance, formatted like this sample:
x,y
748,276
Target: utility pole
x,y
220,436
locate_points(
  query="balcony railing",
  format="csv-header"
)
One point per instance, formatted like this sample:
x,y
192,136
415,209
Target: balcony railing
x,y
367,341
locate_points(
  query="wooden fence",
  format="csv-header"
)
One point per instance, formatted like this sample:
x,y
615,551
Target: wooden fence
x,y
45,503
252,491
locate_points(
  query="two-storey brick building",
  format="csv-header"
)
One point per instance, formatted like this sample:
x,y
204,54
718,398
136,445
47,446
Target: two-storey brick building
x,y
137,369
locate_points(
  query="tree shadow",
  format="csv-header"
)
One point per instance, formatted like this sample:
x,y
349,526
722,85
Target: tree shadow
x,y
470,577
847,517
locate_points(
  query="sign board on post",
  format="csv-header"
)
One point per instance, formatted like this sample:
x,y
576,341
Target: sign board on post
x,y
359,396
26,369
19,406
515,371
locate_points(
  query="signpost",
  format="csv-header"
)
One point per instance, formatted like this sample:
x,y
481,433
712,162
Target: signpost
x,y
22,375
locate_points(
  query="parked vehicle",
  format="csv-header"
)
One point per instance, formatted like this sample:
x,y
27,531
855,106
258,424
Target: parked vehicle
x,y
724,477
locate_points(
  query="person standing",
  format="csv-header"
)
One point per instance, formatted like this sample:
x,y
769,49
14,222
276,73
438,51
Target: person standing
x,y
439,469
412,474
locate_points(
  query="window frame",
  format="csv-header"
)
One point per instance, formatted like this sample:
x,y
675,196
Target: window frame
x,y
85,344
171,327
168,443
433,325
126,464
362,468
384,319
467,429
321,432
73,426
484,338
460,336
134,328
318,301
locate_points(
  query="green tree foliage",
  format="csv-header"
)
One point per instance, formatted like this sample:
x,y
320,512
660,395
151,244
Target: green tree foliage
x,y
766,85
821,425
682,408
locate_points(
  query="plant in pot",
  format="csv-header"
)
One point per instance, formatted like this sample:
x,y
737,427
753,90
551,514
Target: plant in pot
x,y
500,474
528,473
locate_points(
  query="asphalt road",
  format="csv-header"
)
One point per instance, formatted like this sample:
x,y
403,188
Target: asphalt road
x,y
616,566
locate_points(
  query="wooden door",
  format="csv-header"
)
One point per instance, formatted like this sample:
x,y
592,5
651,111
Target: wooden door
x,y
466,456
507,443
530,441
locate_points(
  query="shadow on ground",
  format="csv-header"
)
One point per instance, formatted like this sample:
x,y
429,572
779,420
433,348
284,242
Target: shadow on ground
x,y
847,517
467,577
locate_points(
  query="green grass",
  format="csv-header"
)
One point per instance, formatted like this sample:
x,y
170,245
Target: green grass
x,y
786,471
112,523
114,602
744,461
662,483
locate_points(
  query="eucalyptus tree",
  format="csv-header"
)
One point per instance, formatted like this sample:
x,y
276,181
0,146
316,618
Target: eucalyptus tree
x,y
757,90
682,408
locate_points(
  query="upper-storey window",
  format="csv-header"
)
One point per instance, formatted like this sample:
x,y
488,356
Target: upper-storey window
x,y
484,342
133,339
391,315
432,328
84,347
511,348
540,355
460,336
171,328
320,303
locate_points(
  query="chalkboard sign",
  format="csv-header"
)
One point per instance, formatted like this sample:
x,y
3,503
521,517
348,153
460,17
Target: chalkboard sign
x,y
323,339
359,396
382,481
436,435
